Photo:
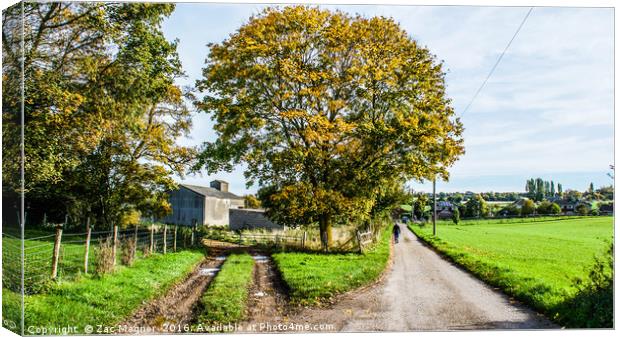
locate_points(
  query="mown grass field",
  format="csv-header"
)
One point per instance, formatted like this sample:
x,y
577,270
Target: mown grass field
x,y
226,298
313,278
535,261
105,300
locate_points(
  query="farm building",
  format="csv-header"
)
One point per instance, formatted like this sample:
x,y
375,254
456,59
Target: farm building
x,y
202,205
213,205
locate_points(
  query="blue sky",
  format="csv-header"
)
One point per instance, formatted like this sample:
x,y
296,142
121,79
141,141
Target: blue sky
x,y
547,110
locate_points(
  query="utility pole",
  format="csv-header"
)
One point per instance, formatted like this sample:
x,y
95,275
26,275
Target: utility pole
x,y
434,207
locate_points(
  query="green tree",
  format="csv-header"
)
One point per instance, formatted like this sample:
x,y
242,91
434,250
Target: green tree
x,y
420,204
476,207
251,201
573,195
528,207
606,192
326,108
582,209
102,111
456,198
456,216
547,207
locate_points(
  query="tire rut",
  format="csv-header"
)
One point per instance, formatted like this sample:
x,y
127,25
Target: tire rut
x,y
268,298
177,308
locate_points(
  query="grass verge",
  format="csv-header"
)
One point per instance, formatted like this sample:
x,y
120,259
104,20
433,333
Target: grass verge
x,y
226,298
537,263
102,301
314,278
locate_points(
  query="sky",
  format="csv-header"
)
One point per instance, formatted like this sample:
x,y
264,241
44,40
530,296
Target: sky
x,y
547,111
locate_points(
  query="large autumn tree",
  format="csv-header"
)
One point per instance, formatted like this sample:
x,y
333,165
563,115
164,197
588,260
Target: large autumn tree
x,y
326,109
102,112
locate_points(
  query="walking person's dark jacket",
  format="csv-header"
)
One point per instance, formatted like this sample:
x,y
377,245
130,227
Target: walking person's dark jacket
x,y
396,230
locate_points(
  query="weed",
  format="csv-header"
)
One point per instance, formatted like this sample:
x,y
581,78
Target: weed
x,y
128,252
104,257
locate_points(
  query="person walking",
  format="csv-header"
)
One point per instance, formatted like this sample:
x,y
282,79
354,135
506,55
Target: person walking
x,y
396,232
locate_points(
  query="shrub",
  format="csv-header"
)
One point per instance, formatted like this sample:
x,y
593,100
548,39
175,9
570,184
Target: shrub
x,y
146,250
593,304
547,207
582,209
456,217
512,210
528,207
128,252
104,257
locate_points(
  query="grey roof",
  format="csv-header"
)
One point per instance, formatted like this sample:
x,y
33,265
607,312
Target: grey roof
x,y
211,192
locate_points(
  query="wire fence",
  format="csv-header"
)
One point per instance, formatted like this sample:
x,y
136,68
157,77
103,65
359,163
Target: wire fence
x,y
69,256
50,258
298,240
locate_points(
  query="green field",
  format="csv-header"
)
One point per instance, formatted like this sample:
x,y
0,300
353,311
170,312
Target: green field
x,y
535,261
105,300
226,298
38,251
314,277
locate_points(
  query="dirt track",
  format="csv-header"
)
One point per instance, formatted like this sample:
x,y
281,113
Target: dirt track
x,y
422,291
177,307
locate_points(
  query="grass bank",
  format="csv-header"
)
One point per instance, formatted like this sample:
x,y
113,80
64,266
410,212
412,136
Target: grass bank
x,y
106,300
226,298
536,262
313,278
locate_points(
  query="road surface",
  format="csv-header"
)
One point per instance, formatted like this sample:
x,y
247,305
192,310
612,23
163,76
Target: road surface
x,y
422,291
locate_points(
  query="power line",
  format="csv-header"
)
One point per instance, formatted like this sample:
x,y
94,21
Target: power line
x,y
499,59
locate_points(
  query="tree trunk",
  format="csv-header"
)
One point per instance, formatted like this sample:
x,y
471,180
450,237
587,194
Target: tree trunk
x,y
325,225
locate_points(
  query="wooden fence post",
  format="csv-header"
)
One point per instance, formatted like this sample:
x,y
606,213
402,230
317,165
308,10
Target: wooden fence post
x,y
135,236
359,240
56,254
303,240
87,248
174,241
165,241
192,240
114,244
325,242
151,240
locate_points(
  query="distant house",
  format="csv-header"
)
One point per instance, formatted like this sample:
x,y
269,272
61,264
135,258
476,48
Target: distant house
x,y
569,207
606,209
444,210
519,202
